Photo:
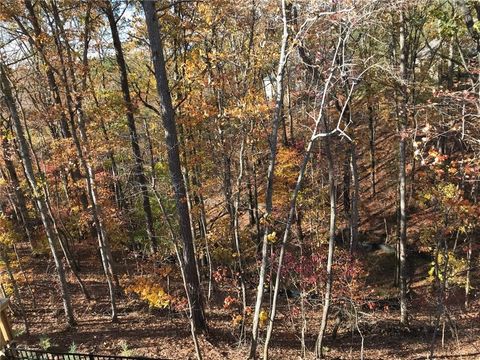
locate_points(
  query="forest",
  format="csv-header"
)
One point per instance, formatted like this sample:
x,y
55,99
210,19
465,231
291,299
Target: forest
x,y
250,179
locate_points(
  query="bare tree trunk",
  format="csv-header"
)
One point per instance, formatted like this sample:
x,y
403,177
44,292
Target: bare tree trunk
x,y
347,178
198,352
171,139
291,215
371,127
86,161
354,218
331,247
270,178
251,200
289,110
83,154
468,274
55,94
237,239
39,196
137,154
254,197
286,234
53,86
403,117
15,184
66,253
227,188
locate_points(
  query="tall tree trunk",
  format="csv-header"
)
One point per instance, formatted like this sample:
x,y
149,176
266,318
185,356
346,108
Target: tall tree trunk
x,y
292,211
354,218
38,194
227,187
20,200
39,45
372,132
331,247
289,109
137,154
83,151
251,201
55,97
63,245
283,57
171,140
402,129
236,205
347,178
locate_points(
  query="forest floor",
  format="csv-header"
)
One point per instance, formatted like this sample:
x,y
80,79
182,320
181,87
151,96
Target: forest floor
x,y
164,333
141,331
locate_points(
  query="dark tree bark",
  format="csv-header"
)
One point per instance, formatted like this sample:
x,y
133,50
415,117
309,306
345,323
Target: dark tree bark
x,y
55,98
273,140
402,129
373,160
331,247
354,219
52,83
82,147
20,201
38,193
171,140
137,154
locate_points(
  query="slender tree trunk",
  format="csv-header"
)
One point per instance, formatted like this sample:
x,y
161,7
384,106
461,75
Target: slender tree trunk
x,y
403,118
284,129
289,110
286,233
237,239
37,193
227,188
55,92
468,274
139,171
63,245
371,127
84,154
354,218
171,140
254,197
331,247
291,215
347,178
270,179
17,190
86,162
251,202
55,96
172,231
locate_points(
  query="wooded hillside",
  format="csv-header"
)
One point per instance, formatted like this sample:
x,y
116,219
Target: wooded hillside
x,y
242,179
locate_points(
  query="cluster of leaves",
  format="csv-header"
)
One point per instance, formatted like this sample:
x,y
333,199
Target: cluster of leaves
x,y
8,233
304,272
149,290
449,267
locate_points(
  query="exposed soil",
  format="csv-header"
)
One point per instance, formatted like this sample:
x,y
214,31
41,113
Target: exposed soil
x,y
166,334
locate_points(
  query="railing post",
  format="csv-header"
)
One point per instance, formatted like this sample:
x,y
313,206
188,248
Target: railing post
x,y
6,329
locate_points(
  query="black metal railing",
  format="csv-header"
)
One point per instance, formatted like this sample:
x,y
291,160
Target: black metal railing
x,y
28,354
